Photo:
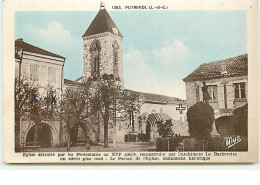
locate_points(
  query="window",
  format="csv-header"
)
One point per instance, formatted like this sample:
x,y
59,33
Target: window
x,y
95,47
213,93
34,73
96,64
115,50
116,64
240,90
51,75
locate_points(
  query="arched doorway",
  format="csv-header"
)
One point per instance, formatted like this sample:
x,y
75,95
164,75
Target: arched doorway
x,y
44,136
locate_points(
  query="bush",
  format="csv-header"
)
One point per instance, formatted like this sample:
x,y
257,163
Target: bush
x,y
200,120
224,126
169,144
165,128
239,120
142,137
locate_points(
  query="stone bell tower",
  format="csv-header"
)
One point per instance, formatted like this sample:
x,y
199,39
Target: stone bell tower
x,y
102,48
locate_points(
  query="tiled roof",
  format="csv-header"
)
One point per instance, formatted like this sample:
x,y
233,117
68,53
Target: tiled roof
x,y
70,82
19,43
146,97
236,66
156,98
79,78
102,23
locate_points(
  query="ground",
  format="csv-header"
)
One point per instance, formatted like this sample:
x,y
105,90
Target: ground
x,y
120,147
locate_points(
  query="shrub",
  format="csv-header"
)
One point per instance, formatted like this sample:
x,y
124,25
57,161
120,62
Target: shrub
x,y
142,137
200,120
165,128
239,120
224,126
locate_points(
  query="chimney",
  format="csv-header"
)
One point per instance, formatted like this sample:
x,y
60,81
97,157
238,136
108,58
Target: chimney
x,y
20,40
223,69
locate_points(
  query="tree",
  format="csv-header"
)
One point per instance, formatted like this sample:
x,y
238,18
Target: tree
x,y
103,101
129,100
200,118
42,105
112,102
75,109
165,128
23,90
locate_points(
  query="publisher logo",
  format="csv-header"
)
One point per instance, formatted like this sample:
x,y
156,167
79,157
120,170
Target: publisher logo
x,y
231,141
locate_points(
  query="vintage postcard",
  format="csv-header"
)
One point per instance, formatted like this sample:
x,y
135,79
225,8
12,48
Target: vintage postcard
x,y
130,81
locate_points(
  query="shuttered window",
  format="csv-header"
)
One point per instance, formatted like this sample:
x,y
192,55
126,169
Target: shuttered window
x,y
240,90
213,93
51,75
34,73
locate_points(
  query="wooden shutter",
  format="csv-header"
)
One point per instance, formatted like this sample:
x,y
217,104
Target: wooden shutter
x,y
200,93
246,90
221,99
58,78
25,70
230,96
49,75
43,75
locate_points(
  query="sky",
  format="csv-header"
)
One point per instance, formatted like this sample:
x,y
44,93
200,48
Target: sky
x,y
160,48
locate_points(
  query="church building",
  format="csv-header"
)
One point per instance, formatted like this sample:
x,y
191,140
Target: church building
x,y
102,54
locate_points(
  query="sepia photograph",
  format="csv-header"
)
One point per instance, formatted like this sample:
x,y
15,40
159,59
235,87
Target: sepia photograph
x,y
194,97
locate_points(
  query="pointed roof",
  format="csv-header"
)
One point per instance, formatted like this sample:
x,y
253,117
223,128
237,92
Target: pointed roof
x,y
101,23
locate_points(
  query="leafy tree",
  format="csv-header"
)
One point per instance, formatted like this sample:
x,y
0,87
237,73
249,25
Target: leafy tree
x,y
130,106
165,128
104,101
42,105
112,102
23,90
200,118
75,109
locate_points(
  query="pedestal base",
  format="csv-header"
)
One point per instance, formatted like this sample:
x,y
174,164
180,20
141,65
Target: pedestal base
x,y
131,137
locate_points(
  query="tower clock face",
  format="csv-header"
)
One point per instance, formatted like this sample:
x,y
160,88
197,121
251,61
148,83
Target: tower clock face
x,y
115,31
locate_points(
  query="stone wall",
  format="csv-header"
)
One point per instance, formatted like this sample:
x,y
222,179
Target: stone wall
x,y
106,41
194,92
53,125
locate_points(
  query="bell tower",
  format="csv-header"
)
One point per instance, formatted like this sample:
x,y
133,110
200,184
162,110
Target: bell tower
x,y
102,48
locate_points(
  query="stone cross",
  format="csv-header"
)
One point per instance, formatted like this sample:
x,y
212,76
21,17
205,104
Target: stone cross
x,y
180,108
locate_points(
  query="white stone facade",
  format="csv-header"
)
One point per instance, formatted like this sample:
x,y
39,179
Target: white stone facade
x,y
42,71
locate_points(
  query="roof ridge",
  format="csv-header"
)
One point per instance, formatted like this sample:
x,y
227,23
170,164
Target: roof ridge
x,y
216,61
212,70
30,45
156,95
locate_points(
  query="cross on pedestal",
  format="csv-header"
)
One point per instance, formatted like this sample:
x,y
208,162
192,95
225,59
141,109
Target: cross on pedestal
x,y
180,108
